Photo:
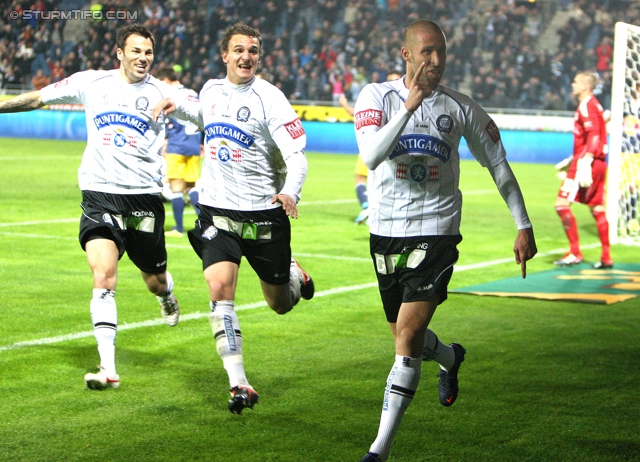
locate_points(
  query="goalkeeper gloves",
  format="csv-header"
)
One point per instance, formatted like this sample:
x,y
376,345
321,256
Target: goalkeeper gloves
x,y
562,167
583,172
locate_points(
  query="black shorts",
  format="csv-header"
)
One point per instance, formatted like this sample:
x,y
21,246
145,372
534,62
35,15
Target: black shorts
x,y
411,269
135,222
263,237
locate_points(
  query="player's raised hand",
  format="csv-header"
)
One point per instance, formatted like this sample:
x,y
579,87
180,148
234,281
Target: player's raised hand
x,y
420,87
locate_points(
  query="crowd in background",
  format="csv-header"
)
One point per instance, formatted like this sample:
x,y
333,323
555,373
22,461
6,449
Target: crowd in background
x,y
319,50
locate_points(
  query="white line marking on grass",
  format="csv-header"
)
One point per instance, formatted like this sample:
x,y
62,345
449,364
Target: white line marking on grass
x,y
249,306
40,158
43,222
337,201
39,236
158,322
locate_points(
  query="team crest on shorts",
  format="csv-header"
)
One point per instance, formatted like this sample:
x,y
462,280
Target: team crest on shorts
x,y
243,114
444,123
210,232
142,104
107,219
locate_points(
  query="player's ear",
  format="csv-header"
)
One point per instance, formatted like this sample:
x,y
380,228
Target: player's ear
x,y
405,54
119,54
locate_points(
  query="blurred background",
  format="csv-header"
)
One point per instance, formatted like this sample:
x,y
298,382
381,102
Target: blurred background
x,y
516,55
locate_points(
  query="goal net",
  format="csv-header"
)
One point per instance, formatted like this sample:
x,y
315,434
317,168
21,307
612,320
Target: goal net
x,y
623,176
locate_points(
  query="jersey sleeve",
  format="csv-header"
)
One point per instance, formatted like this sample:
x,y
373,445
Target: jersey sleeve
x,y
188,109
376,136
285,126
68,90
593,122
483,136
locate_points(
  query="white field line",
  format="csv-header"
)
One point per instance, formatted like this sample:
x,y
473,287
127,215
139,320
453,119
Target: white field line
x,y
249,306
198,315
37,158
189,211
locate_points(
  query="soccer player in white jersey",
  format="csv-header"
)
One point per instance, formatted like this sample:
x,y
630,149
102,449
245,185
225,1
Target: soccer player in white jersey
x,y
120,178
408,132
251,181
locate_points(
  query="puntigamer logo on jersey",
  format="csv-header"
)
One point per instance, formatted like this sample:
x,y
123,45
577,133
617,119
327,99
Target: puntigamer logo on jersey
x,y
422,144
368,117
118,118
228,132
295,129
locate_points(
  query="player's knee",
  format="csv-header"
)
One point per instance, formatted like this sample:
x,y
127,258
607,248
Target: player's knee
x,y
280,307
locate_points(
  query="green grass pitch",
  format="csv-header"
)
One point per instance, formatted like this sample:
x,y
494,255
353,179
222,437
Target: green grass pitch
x,y
543,381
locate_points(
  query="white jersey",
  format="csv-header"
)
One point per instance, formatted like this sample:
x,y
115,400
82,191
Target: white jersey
x,y
415,190
251,134
123,143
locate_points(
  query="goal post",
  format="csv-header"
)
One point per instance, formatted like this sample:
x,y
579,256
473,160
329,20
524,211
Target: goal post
x,y
623,174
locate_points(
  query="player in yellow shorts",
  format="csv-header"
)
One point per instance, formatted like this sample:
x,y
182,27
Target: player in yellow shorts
x,y
182,157
361,170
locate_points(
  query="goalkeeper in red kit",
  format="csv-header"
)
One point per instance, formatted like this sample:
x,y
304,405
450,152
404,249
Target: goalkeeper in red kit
x,y
585,178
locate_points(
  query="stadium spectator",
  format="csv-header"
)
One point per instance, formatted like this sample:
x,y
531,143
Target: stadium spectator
x,y
57,71
414,251
39,81
246,199
121,207
604,54
585,179
370,38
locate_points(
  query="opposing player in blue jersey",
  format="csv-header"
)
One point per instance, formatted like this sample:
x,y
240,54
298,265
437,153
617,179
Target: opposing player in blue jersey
x,y
120,178
182,157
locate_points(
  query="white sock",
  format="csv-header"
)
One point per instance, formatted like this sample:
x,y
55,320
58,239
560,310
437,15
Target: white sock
x,y
295,282
163,298
226,332
401,386
435,350
104,316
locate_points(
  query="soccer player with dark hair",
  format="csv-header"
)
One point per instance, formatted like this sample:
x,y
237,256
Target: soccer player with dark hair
x,y
120,178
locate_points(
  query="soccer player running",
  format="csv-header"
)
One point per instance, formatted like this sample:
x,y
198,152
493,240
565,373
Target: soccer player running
x,y
586,176
120,179
251,181
182,157
408,133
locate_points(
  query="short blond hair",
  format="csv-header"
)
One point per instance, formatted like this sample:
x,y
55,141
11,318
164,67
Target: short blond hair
x,y
589,78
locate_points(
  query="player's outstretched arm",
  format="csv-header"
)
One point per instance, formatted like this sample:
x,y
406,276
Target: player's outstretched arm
x,y
524,248
22,103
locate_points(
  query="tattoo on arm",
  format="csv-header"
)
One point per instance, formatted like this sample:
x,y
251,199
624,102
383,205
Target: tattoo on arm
x,y
25,102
